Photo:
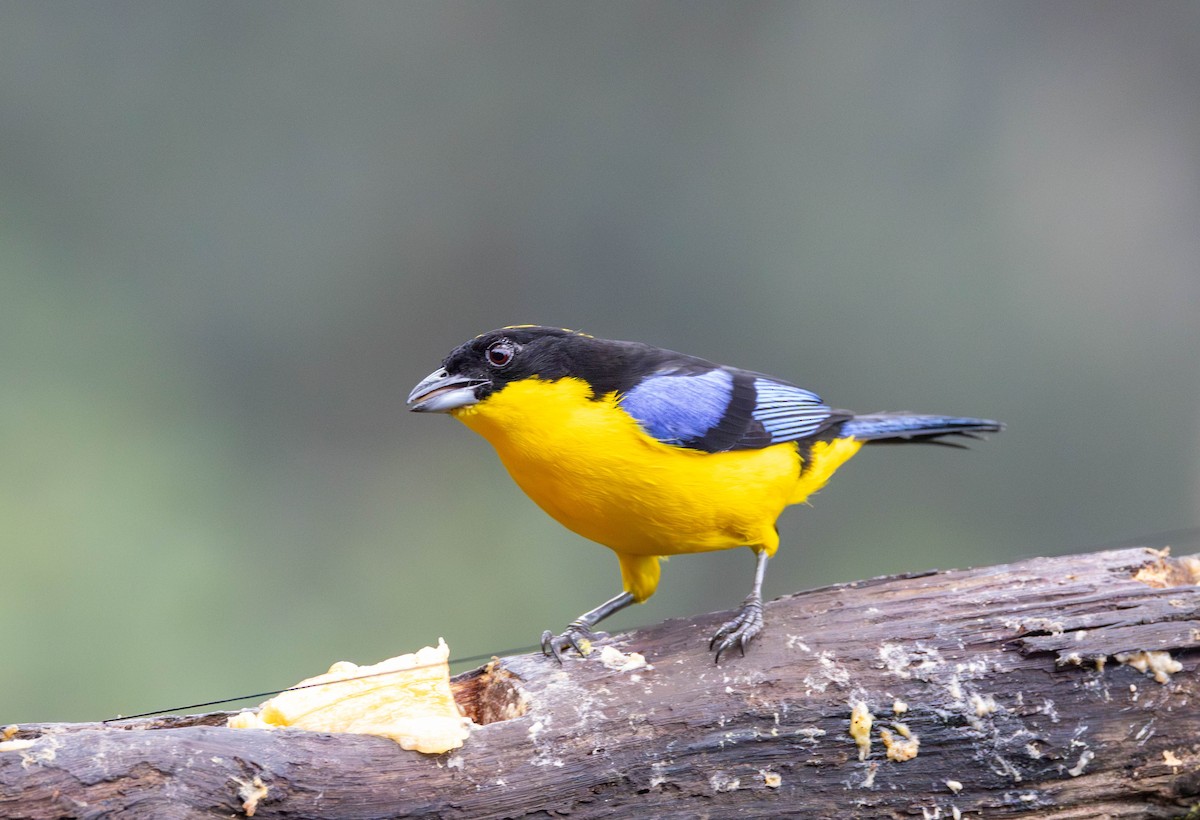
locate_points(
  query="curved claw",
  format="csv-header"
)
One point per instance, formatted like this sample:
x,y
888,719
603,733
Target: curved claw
x,y
740,630
576,636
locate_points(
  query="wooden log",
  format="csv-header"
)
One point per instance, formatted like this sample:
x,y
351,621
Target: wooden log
x,y
1005,691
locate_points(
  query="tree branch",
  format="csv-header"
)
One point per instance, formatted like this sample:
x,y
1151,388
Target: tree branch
x,y
1017,686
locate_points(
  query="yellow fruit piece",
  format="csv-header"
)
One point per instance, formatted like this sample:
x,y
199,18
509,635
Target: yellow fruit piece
x,y
406,698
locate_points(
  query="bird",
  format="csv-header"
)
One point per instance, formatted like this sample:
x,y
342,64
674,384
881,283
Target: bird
x,y
654,453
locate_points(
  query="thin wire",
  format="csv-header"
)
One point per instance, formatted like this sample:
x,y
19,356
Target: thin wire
x,y
466,659
1184,535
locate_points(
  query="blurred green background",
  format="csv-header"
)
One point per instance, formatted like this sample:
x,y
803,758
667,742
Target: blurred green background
x,y
234,235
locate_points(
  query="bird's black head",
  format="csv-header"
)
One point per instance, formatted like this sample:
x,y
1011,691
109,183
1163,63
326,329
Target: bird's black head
x,y
489,362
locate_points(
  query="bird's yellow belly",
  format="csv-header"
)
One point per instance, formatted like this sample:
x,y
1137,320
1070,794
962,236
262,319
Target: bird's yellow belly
x,y
590,466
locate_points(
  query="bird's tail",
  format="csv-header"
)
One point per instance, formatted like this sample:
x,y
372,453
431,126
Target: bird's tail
x,y
902,428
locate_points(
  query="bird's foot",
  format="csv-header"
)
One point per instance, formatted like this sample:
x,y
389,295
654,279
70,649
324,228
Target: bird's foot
x,y
741,629
578,636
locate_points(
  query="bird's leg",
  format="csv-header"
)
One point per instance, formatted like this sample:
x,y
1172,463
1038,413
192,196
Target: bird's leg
x,y
578,633
745,626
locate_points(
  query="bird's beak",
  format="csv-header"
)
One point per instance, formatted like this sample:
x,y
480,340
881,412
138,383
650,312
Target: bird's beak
x,y
439,392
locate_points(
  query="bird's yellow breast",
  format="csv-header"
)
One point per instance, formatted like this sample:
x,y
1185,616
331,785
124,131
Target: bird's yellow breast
x,y
590,466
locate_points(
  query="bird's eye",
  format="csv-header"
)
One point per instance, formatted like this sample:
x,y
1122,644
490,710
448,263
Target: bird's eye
x,y
500,353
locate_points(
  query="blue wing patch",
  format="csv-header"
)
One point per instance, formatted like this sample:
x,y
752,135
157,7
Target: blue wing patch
x,y
676,408
787,412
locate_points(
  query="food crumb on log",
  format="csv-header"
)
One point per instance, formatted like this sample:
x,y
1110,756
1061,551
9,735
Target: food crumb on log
x,y
1158,663
251,792
860,727
902,748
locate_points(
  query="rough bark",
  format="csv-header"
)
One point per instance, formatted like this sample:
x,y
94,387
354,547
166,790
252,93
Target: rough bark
x,y
1010,676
